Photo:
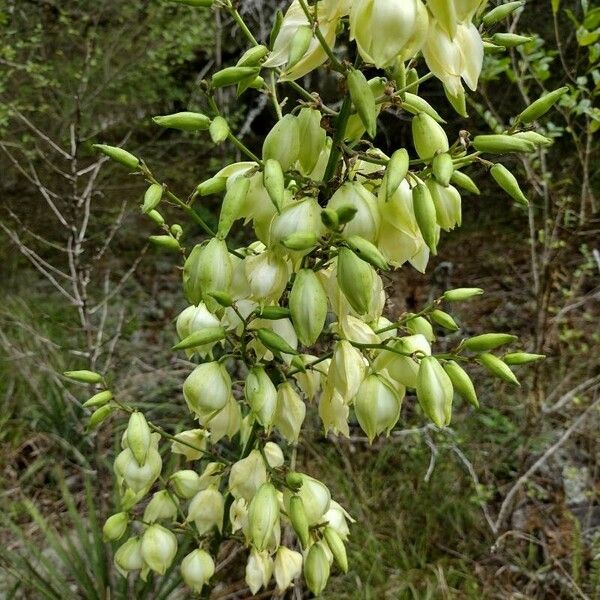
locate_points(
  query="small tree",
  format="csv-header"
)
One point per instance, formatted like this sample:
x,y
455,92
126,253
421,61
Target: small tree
x,y
296,319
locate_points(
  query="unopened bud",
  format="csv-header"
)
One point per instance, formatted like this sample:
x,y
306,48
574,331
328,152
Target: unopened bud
x,y
461,294
501,144
337,547
356,279
165,241
119,155
274,182
214,185
497,368
396,171
465,182
152,197
501,12
274,342
84,376
297,516
461,382
444,319
184,121
274,455
282,143
425,215
308,306
316,569
156,217
263,515
363,100
100,415
115,526
508,182
522,358
429,137
299,44
232,75
233,202
99,399
138,437
415,104
253,56
488,341
510,40
434,391
208,335
442,167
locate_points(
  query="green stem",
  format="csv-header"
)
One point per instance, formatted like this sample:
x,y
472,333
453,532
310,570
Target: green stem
x,y
238,19
338,137
335,63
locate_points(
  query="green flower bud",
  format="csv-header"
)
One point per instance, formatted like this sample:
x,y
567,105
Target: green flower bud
x,y
337,547
207,269
415,104
510,40
274,342
197,568
223,298
542,105
420,325
290,413
429,137
219,130
308,306
313,138
442,167
299,45
298,519
283,142
273,313
497,368
156,217
165,241
458,101
185,483
329,217
363,100
461,382
316,569
396,171
214,185
152,197
261,395
356,279
159,547
445,14
501,144
508,182
274,182
287,567
99,399
501,12
300,241
232,75
367,251
434,391
100,415
115,526
84,376
444,319
208,335
465,182
460,294
207,389
162,506
206,510
377,406
184,121
263,516
488,341
138,437
294,480
425,215
522,358
231,209
253,56
176,231
129,556
119,155
412,80
534,137
346,213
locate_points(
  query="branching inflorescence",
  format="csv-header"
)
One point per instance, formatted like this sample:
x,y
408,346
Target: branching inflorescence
x,y
299,312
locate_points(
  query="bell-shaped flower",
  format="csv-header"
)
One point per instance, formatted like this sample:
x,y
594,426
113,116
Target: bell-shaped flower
x,y
315,496
334,412
338,518
290,412
259,570
159,547
196,569
377,406
194,319
365,222
261,395
450,59
447,205
190,443
347,370
247,475
226,423
404,369
382,29
206,510
301,217
162,506
313,55
129,556
207,389
267,276
287,567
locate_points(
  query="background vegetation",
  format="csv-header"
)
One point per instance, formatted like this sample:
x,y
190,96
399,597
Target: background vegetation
x,y
505,504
